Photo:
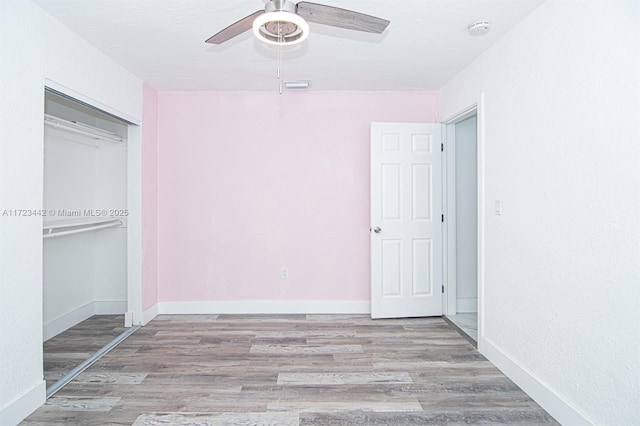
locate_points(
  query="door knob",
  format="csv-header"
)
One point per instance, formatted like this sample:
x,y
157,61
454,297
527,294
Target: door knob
x,y
377,230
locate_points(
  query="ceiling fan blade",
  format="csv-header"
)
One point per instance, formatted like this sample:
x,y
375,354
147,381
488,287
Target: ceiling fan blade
x,y
235,29
342,18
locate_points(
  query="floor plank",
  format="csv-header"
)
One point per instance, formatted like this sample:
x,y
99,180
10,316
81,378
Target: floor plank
x,y
67,350
289,370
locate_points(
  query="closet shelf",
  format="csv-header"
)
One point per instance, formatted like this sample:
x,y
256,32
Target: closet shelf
x,y
82,129
59,228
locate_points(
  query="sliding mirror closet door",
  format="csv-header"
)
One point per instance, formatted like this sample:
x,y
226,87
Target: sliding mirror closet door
x,y
84,232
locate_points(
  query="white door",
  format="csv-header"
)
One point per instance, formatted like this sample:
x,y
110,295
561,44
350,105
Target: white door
x,y
406,224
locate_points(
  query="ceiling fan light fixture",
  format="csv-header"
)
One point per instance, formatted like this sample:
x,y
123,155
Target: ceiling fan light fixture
x,y
280,28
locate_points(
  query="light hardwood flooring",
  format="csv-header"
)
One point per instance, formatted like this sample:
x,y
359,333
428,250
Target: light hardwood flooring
x,y
291,370
70,348
465,323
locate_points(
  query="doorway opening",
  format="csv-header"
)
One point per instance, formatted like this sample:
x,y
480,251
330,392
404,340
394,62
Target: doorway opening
x,y
86,225
460,304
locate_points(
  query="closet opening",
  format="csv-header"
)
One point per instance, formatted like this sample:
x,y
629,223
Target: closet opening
x,y
460,300
85,238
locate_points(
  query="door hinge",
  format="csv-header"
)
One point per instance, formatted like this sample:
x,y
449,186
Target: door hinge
x,y
443,218
441,147
443,289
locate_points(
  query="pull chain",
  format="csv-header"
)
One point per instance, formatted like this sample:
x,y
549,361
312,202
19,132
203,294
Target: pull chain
x,y
279,47
280,41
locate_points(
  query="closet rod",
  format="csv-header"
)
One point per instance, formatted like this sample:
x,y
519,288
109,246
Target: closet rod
x,y
77,231
82,129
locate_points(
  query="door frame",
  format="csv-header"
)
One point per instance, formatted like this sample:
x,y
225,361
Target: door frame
x,y
134,312
449,209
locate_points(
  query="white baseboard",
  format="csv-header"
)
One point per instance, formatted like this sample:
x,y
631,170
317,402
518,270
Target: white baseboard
x,y
149,314
65,322
553,403
24,405
266,307
208,307
465,305
60,324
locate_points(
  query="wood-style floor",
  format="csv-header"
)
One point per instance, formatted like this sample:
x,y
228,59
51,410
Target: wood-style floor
x,y
70,348
291,370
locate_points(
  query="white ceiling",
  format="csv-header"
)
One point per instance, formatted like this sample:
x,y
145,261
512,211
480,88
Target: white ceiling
x,y
162,42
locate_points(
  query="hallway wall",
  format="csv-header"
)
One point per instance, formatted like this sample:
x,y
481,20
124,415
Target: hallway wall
x,y
561,125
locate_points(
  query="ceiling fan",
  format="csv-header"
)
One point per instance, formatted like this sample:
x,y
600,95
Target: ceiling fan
x,y
283,22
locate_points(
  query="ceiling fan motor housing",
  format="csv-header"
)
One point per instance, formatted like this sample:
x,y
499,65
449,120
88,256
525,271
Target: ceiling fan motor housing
x,y
280,6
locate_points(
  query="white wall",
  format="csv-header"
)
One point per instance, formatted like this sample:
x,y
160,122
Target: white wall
x,y
561,264
69,182
466,208
21,107
110,273
36,47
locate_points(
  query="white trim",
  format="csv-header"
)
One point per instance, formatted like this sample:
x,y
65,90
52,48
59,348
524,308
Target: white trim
x,y
266,307
24,405
469,111
449,206
68,320
466,304
150,314
480,173
134,223
553,403
450,300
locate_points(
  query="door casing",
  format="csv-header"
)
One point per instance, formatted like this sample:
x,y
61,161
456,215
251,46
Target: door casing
x,y
448,205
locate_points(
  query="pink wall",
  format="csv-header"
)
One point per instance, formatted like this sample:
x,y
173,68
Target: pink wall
x,y
250,182
149,197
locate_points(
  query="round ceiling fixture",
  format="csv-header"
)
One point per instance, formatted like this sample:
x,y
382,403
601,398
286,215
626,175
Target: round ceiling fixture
x,y
280,28
479,28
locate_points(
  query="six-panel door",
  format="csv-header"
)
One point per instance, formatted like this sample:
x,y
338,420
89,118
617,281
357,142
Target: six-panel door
x,y
406,192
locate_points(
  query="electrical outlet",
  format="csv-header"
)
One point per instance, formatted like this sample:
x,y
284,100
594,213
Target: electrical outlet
x,y
285,273
497,207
